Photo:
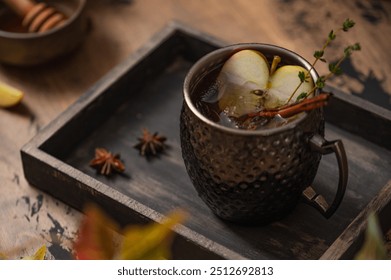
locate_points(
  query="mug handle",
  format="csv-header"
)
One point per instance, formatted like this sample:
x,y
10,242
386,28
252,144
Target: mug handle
x,y
324,147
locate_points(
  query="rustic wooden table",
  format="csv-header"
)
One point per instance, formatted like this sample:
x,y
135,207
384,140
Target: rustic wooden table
x,y
30,218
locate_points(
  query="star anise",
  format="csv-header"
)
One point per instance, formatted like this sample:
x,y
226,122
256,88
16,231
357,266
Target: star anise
x,y
150,144
106,162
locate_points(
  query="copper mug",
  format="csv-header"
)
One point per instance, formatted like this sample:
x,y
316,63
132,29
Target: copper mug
x,y
255,176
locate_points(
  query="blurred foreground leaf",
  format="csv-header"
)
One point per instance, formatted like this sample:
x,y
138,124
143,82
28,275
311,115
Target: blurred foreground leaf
x,y
96,236
150,242
39,254
373,248
100,238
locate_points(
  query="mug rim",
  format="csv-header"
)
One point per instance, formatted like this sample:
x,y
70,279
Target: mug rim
x,y
232,49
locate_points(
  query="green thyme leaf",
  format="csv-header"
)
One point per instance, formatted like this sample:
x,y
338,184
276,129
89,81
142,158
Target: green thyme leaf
x,y
318,54
302,76
347,24
347,51
350,49
335,69
356,47
332,35
321,82
301,96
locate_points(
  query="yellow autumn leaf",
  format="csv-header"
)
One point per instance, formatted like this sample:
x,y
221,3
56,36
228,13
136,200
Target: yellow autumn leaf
x,y
150,242
374,245
38,255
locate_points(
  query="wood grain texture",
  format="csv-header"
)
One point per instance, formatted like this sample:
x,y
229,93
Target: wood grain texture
x,y
117,30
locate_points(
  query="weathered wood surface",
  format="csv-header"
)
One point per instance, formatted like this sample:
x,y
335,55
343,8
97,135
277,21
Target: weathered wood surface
x,y
30,217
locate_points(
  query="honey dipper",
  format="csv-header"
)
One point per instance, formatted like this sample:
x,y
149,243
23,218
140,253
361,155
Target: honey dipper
x,y
36,17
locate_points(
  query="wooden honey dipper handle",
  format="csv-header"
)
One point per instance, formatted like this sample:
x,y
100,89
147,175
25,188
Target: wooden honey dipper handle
x,y
37,17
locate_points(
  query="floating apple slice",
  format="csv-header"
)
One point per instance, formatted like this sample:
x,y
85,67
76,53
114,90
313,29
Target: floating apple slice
x,y
246,85
285,80
243,73
9,96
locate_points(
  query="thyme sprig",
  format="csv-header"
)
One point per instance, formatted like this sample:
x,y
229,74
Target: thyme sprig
x,y
334,68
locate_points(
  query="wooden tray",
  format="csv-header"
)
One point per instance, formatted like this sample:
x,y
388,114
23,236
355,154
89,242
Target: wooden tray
x,y
347,245
146,91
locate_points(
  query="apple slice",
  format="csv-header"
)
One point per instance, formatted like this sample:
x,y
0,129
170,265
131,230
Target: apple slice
x,y
285,80
246,85
9,96
242,73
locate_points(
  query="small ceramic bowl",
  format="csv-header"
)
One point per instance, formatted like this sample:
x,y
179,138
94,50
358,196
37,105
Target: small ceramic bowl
x,y
18,47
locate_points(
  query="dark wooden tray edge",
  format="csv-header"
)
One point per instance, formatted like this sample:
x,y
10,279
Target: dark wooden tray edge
x,y
351,239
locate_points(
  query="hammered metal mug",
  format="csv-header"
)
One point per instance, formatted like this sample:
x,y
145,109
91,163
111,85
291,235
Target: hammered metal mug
x,y
255,176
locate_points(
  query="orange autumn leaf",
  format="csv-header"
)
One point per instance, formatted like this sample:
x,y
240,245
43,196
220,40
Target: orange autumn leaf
x,y
100,239
96,236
